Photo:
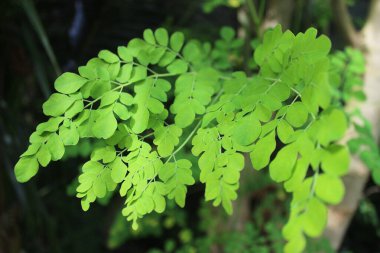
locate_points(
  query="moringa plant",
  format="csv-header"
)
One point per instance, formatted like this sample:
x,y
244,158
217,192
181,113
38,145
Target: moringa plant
x,y
160,94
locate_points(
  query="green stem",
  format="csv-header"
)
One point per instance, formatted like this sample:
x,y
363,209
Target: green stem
x,y
174,52
314,183
187,139
146,136
138,64
253,11
194,130
35,20
122,85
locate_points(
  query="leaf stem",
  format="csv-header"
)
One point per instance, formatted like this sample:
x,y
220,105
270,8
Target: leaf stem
x,y
146,136
315,177
141,65
187,139
122,85
194,130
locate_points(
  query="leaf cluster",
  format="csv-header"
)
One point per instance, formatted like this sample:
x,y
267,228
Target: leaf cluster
x,y
139,101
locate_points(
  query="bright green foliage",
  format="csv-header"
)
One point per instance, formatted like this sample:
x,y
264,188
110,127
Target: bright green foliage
x,y
284,98
69,83
149,97
57,104
144,194
297,114
219,171
281,167
26,168
193,91
125,101
94,182
166,138
260,156
329,188
176,175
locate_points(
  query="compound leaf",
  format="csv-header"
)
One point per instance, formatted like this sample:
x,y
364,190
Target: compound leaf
x,y
166,138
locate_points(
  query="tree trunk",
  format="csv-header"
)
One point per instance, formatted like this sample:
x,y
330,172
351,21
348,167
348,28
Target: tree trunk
x,y
343,22
340,216
278,12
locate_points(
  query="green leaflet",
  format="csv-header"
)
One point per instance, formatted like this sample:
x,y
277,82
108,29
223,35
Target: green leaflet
x,y
162,36
94,182
281,168
43,156
315,218
223,180
336,160
74,109
246,131
26,168
176,41
57,104
219,171
149,98
176,176
105,124
49,126
69,83
166,138
118,170
310,47
264,148
55,146
206,142
156,95
297,114
330,189
285,132
150,199
143,194
192,93
178,66
310,221
69,135
106,154
297,244
333,126
108,56
272,40
298,175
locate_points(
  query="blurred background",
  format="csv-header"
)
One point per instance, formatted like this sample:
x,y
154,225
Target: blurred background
x,y
39,39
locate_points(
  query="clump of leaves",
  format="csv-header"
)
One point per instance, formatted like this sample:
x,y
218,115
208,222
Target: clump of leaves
x,y
123,100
